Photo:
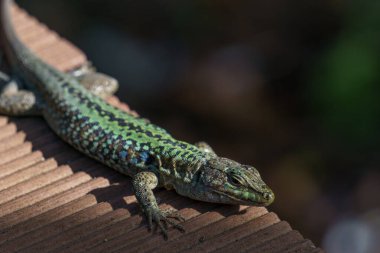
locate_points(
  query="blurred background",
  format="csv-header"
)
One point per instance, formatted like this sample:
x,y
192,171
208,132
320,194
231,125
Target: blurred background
x,y
291,87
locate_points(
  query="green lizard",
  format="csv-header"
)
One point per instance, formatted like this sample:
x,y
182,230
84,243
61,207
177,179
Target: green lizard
x,y
123,141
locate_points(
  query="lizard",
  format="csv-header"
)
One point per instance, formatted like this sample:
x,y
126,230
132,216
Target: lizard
x,y
125,141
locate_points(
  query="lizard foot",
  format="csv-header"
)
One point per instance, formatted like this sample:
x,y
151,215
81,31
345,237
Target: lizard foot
x,y
162,220
143,183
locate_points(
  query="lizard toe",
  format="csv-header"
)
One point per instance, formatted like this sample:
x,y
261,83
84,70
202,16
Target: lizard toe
x,y
162,220
172,213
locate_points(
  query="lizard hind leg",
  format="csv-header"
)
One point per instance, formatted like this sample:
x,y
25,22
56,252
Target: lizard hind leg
x,y
15,102
143,184
99,84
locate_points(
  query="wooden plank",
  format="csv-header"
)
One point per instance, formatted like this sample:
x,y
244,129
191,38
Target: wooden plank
x,y
70,203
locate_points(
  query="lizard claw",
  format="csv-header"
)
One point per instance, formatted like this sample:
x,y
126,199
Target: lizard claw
x,y
161,219
172,213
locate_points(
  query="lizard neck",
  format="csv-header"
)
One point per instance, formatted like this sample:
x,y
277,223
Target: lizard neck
x,y
180,166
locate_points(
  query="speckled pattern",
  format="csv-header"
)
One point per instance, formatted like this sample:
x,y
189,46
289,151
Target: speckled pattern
x,y
100,214
131,144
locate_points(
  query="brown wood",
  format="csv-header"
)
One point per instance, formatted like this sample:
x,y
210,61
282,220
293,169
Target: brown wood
x,y
54,199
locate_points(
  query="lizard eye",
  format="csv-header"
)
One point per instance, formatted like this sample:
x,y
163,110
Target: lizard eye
x,y
234,181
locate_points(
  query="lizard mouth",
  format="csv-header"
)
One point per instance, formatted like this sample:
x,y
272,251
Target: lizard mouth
x,y
252,198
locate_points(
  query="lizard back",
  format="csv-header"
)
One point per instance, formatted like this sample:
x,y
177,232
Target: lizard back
x,y
118,139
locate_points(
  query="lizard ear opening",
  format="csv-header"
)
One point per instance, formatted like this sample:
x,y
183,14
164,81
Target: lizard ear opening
x,y
197,177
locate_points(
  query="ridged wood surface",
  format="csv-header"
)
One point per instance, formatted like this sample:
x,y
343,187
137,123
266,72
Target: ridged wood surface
x,y
54,199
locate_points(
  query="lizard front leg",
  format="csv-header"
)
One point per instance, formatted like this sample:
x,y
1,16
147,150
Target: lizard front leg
x,y
143,184
204,147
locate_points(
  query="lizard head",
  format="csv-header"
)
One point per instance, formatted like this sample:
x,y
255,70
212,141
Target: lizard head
x,y
222,180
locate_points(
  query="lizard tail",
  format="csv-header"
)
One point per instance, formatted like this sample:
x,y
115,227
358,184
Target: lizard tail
x,y
20,58
9,40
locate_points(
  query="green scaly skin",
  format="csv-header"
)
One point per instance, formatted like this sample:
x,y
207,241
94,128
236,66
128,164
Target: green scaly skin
x,y
129,144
